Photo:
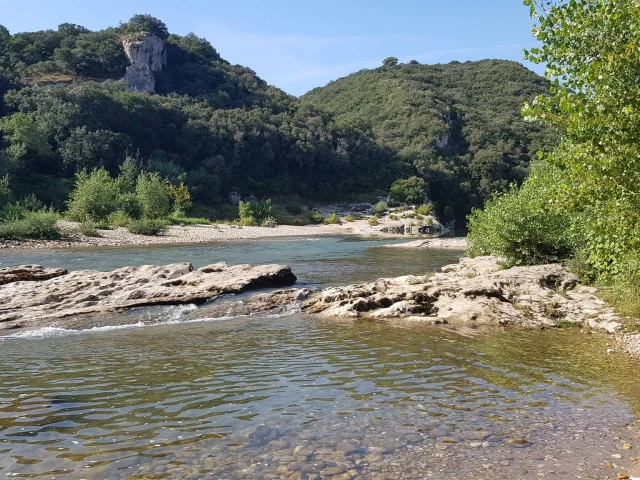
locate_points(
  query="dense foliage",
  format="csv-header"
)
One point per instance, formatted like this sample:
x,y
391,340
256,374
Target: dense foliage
x,y
219,130
588,208
458,126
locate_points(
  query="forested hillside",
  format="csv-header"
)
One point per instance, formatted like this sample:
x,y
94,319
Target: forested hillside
x,y
219,128
458,125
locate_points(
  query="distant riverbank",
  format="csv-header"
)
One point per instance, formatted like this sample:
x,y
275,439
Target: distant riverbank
x,y
189,234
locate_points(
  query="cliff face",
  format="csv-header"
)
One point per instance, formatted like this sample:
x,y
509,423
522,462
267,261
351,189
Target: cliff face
x,y
146,56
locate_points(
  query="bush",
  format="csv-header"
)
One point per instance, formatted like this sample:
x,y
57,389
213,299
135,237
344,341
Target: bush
x,y
247,222
269,222
181,199
521,227
316,217
147,226
425,209
94,197
380,208
5,191
393,217
89,229
119,219
349,219
373,221
40,225
332,219
153,195
12,212
255,212
129,204
410,190
176,220
624,295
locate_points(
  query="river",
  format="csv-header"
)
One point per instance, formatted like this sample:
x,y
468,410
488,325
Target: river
x,y
177,394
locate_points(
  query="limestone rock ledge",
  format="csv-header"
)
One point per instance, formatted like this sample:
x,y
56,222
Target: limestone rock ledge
x,y
475,291
29,273
25,303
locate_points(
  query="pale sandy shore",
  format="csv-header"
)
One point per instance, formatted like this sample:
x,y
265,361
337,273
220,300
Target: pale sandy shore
x,y
173,235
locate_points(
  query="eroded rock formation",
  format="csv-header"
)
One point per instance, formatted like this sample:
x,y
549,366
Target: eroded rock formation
x,y
90,292
147,56
27,273
474,292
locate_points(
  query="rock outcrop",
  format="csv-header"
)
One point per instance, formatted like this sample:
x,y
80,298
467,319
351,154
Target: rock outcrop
x,y
474,292
437,243
147,56
92,292
29,273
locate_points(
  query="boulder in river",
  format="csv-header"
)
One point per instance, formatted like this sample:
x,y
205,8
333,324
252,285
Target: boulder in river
x,y
82,292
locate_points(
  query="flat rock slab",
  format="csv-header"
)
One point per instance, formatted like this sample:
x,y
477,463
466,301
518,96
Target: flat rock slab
x,y
436,243
25,303
28,273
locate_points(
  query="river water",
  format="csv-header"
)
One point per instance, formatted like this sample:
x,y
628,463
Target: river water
x,y
300,397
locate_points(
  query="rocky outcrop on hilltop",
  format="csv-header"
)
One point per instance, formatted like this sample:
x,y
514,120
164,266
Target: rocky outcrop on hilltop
x,y
474,292
28,303
147,56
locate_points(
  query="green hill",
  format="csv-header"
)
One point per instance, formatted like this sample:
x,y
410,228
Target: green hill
x,y
458,125
219,128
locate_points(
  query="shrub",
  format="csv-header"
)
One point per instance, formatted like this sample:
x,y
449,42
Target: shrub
x,y
624,295
520,226
316,217
380,208
349,219
181,199
373,221
270,222
332,219
94,197
175,220
40,225
393,217
255,211
425,209
129,204
5,191
247,222
409,190
12,212
89,229
119,219
147,226
153,195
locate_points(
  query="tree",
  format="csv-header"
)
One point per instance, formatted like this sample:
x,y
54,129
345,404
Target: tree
x,y
154,196
95,196
145,24
411,190
390,62
592,51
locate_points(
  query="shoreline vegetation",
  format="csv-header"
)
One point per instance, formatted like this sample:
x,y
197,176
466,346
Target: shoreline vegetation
x,y
351,219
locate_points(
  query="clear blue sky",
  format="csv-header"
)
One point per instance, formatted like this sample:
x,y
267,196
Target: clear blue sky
x,y
299,45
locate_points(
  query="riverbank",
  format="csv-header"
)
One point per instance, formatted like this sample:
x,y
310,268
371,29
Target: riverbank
x,y
193,234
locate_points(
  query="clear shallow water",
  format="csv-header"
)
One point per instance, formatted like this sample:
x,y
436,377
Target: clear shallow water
x,y
315,260
290,396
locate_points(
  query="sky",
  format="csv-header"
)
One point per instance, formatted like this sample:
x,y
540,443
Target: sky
x,y
300,45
